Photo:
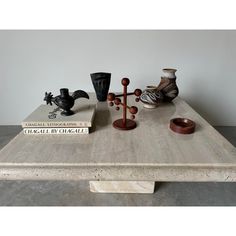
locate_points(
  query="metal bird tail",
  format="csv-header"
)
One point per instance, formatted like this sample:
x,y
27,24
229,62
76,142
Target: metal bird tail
x,y
80,94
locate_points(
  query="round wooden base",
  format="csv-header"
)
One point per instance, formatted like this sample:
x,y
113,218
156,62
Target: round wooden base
x,y
130,124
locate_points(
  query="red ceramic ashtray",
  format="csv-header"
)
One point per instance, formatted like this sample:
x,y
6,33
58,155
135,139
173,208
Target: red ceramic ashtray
x,y
182,125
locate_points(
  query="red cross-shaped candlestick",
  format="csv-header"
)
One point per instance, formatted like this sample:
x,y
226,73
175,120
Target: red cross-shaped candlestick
x,y
124,123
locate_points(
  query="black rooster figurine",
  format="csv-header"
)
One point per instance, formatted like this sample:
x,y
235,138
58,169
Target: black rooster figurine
x,y
65,101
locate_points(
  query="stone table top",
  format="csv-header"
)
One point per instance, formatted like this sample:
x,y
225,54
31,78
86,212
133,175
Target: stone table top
x,y
151,144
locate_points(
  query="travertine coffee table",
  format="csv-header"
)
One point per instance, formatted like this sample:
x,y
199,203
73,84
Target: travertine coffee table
x,y
124,161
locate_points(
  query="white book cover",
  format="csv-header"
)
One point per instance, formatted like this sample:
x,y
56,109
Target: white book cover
x,y
50,116
39,131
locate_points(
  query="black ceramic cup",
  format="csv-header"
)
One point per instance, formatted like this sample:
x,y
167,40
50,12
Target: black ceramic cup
x,y
101,83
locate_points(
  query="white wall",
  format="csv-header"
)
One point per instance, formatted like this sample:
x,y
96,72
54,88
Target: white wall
x,y
32,62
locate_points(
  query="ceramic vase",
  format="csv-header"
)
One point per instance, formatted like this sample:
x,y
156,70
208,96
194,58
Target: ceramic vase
x,y
151,97
168,85
101,83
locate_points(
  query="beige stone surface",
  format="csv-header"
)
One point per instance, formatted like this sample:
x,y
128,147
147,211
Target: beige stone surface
x,y
122,186
151,152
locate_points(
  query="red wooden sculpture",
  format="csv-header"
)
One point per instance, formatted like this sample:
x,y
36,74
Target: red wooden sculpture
x,y
124,123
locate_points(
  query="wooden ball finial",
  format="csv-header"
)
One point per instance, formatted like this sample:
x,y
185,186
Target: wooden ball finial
x,y
125,81
117,101
111,97
137,92
133,110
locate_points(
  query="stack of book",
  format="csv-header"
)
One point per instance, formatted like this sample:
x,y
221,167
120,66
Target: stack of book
x,y
47,119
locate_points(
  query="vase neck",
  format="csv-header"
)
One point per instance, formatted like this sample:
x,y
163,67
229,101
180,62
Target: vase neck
x,y
168,79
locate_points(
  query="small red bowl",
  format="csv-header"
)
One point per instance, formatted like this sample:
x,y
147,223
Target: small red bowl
x,y
182,125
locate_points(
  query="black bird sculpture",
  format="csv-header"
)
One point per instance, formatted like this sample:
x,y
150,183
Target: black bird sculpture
x,y
65,101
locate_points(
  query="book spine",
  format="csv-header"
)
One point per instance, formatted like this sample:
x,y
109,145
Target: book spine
x,y
55,124
38,131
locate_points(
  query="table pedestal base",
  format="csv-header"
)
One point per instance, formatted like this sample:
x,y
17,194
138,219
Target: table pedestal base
x,y
122,186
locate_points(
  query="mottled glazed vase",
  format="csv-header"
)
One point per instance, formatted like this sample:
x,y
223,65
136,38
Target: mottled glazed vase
x,y
151,97
101,83
168,85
